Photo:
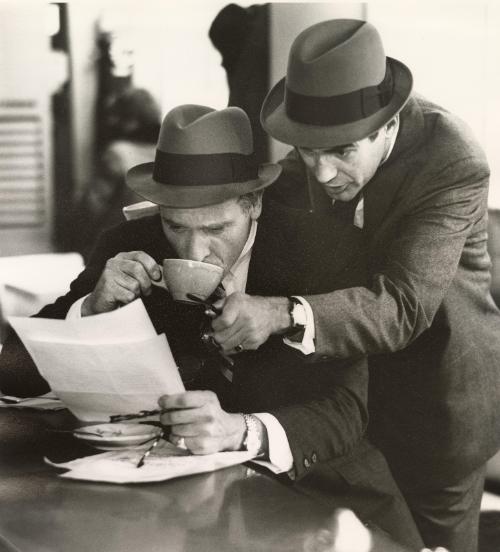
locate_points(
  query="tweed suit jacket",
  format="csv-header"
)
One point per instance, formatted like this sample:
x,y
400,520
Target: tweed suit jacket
x,y
426,318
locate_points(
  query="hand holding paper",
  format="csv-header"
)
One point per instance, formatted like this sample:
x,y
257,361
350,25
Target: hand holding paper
x,y
197,418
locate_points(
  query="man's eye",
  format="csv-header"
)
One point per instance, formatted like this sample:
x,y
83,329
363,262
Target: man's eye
x,y
343,152
217,229
175,228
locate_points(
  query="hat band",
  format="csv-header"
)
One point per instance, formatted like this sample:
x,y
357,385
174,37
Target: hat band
x,y
183,169
340,109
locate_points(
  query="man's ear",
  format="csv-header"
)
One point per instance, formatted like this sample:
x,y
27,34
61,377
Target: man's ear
x,y
256,208
392,126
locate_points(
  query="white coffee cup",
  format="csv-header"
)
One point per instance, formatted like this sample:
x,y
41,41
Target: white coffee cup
x,y
183,276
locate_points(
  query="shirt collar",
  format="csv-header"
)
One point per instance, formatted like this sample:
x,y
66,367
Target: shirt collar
x,y
248,244
245,252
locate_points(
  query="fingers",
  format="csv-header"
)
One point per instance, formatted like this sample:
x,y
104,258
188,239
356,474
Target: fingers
x,y
195,417
135,270
231,310
189,399
198,429
121,291
185,417
124,278
235,343
133,276
196,445
233,326
249,321
186,413
148,263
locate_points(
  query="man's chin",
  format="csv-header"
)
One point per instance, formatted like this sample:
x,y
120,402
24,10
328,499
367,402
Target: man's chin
x,y
345,194
341,193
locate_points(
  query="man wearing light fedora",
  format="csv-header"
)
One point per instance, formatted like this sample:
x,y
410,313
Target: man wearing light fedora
x,y
307,419
413,180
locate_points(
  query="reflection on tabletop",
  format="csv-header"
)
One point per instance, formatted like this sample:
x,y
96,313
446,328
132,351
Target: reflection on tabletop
x,y
227,510
216,511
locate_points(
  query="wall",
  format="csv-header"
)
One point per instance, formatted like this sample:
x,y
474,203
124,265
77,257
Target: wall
x,y
453,51
26,77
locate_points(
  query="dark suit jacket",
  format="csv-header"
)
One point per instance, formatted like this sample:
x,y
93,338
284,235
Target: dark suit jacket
x,y
321,405
276,378
426,317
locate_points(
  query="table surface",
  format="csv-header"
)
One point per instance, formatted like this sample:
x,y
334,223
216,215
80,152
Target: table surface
x,y
233,509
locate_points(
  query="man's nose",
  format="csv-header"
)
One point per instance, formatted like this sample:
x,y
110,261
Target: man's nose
x,y
324,170
198,248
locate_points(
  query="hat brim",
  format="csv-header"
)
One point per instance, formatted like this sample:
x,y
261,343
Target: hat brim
x,y
276,122
140,180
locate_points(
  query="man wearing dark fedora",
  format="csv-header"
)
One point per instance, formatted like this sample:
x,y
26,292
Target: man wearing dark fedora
x,y
413,180
306,419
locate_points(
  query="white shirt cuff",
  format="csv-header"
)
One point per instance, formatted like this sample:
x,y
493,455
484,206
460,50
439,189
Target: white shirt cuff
x,y
307,345
280,455
75,311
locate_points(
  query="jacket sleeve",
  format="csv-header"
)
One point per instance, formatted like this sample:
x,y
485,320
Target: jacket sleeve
x,y
331,424
419,264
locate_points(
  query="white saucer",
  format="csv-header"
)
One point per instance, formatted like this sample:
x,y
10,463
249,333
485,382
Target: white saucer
x,y
118,435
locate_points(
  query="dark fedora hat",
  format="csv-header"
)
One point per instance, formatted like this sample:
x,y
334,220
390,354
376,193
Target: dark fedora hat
x,y
203,157
339,88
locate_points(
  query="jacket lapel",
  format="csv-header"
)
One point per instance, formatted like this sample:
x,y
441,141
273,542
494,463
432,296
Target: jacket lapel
x,y
298,253
271,268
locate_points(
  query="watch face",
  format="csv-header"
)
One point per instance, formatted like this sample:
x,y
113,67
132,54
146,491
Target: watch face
x,y
252,440
298,316
253,444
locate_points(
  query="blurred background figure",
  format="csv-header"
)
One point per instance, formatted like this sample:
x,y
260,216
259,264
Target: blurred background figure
x,y
130,123
241,35
127,125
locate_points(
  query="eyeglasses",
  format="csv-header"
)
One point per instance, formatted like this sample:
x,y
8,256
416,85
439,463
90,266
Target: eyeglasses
x,y
141,414
211,311
213,347
154,444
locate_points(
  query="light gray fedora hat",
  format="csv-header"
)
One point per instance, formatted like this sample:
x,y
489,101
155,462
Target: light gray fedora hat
x,y
203,157
339,88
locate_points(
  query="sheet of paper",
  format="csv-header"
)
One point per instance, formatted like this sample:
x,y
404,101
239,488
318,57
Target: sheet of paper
x,y
166,462
129,323
98,380
97,366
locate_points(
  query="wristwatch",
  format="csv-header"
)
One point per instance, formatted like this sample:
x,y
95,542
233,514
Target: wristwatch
x,y
253,440
298,316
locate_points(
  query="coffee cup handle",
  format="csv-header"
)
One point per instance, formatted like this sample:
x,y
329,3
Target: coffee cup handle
x,y
161,281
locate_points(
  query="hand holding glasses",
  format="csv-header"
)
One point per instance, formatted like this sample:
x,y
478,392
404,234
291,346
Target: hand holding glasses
x,y
212,311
